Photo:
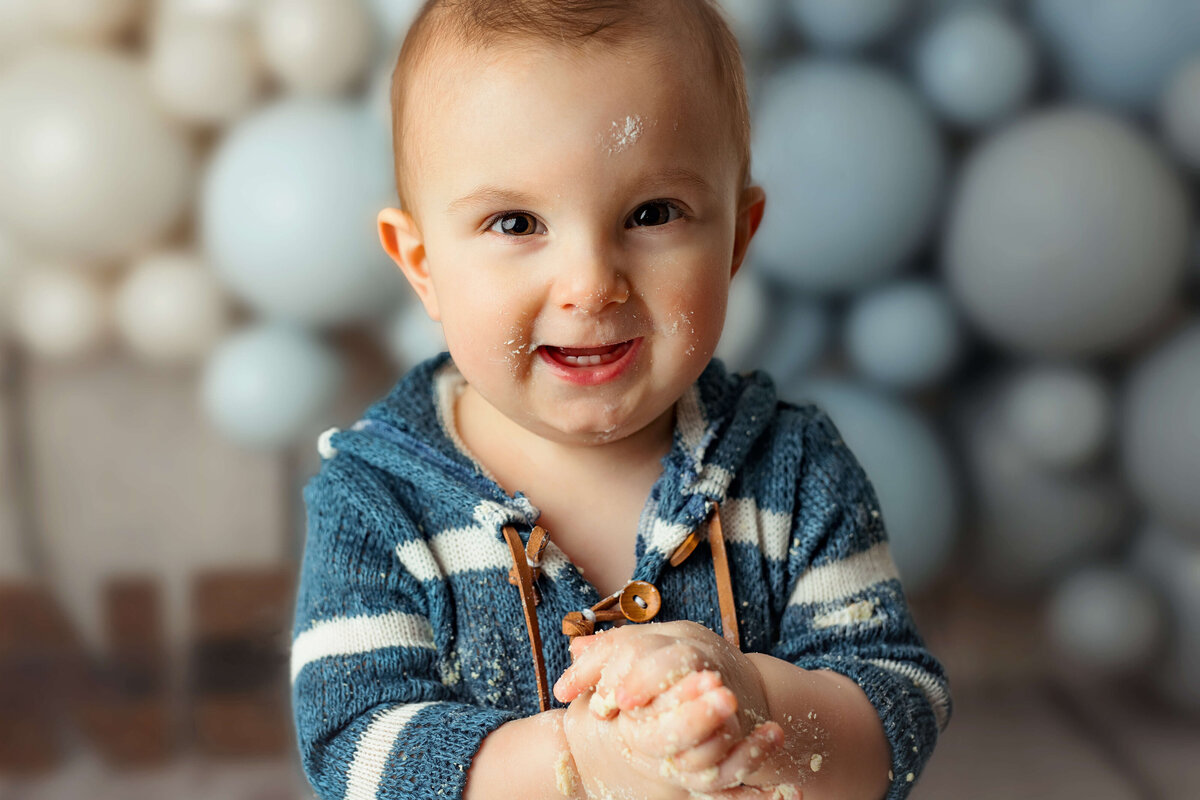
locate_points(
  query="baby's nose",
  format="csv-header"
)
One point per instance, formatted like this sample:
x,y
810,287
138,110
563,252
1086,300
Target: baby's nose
x,y
591,287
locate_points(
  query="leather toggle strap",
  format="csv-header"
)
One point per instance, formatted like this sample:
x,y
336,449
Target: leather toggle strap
x,y
524,576
638,601
538,539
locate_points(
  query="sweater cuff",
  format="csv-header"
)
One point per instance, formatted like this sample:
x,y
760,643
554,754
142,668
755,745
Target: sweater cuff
x,y
908,721
408,753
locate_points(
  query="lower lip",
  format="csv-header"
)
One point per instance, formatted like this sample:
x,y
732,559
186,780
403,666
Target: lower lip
x,y
592,375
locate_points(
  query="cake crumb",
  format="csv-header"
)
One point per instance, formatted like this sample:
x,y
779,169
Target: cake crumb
x,y
564,775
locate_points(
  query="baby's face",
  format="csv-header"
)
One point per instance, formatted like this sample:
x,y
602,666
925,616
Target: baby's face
x,y
579,217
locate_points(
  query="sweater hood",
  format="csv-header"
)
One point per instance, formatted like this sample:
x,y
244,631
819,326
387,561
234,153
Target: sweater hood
x,y
410,434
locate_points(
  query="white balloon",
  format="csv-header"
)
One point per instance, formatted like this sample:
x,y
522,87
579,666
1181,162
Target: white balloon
x,y
1180,112
904,336
1069,235
411,336
745,322
89,167
316,46
21,26
1061,415
227,10
1161,431
89,20
58,313
270,385
204,70
170,308
1105,620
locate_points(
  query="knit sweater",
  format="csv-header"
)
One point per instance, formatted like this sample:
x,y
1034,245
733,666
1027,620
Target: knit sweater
x,y
410,644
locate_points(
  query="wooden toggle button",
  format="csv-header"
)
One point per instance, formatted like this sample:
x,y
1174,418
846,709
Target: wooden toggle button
x,y
640,601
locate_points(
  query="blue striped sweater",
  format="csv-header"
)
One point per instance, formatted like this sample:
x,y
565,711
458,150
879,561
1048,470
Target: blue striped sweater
x,y
410,644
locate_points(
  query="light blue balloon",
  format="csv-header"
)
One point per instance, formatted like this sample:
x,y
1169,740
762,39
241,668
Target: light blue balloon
x,y
909,468
266,386
847,23
853,168
1119,52
288,213
800,330
976,66
904,336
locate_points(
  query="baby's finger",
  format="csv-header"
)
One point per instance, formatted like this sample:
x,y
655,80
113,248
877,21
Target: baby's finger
x,y
685,726
746,757
713,750
590,659
657,673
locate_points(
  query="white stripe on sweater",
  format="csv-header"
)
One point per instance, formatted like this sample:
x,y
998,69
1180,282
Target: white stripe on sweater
x,y
354,635
373,748
843,579
462,550
743,521
934,690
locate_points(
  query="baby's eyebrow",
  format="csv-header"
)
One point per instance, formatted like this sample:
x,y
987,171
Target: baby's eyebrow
x,y
491,196
677,175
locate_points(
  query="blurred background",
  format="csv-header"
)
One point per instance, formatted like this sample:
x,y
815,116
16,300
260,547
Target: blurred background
x,y
980,256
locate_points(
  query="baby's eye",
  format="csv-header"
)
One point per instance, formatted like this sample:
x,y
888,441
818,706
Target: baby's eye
x,y
516,223
657,212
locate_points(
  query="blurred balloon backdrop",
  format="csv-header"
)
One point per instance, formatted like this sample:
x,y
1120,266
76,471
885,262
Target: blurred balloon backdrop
x,y
979,255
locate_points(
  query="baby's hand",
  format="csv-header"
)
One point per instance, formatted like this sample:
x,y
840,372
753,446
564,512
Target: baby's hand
x,y
686,698
608,767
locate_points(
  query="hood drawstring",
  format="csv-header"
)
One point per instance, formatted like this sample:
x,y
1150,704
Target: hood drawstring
x,y
638,601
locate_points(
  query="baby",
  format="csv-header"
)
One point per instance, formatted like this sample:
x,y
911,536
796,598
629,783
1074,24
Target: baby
x,y
575,199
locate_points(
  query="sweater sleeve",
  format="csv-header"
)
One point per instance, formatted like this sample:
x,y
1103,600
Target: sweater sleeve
x,y
846,609
373,717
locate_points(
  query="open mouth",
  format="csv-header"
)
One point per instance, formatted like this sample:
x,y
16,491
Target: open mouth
x,y
590,366
588,356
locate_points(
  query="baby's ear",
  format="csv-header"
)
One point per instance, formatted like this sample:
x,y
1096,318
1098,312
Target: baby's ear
x,y
402,241
750,213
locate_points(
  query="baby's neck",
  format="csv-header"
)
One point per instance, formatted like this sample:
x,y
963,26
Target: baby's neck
x,y
521,460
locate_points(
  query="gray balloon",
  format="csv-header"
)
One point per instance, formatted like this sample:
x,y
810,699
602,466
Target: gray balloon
x,y
1161,433
1034,523
853,168
1172,565
1060,414
1069,235
1105,620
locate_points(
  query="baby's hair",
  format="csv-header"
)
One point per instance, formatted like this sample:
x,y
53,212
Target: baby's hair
x,y
572,23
